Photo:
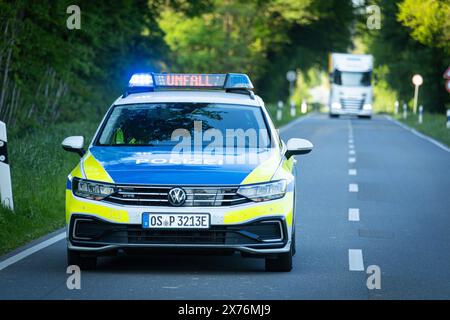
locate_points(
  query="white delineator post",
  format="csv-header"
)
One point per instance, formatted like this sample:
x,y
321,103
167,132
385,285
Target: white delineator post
x,y
448,119
304,107
5,173
421,114
396,104
280,110
405,111
293,109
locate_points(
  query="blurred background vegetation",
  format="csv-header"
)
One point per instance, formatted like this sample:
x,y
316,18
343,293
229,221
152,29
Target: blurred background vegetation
x,y
50,74
56,82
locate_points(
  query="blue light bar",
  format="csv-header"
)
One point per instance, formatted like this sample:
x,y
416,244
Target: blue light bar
x,y
141,80
238,81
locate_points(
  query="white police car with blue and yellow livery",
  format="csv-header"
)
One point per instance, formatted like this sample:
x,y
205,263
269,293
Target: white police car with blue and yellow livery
x,y
184,162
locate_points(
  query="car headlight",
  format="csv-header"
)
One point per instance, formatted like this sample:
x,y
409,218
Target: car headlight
x,y
264,191
91,190
336,105
367,106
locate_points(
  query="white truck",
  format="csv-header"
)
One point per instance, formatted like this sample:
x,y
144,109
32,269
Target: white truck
x,y
351,85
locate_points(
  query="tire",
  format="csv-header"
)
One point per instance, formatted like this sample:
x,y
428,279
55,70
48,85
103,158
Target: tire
x,y
282,262
365,117
84,262
294,246
334,115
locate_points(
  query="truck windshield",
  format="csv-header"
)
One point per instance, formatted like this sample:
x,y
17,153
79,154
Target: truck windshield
x,y
165,124
352,79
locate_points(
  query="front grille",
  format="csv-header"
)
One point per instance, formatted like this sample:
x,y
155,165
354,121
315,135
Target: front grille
x,y
89,230
158,196
352,104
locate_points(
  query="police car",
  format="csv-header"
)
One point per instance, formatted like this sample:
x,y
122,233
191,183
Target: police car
x,y
184,162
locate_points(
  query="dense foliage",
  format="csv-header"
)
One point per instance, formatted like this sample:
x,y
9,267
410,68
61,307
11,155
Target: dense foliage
x,y
50,74
414,39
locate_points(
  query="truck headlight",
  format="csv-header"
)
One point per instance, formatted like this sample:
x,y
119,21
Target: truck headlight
x,y
336,105
91,190
367,107
264,191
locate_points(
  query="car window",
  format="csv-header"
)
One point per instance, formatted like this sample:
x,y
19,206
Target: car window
x,y
158,124
352,79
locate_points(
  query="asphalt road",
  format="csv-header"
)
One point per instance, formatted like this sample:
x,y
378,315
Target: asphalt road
x,y
403,197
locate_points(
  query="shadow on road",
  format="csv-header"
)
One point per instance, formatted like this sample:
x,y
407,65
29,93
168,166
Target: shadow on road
x,y
176,263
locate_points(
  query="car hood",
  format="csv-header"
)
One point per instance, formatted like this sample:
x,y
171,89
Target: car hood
x,y
145,165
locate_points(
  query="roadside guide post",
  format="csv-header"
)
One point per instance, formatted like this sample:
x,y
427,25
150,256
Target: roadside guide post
x,y
421,114
291,76
304,107
448,119
293,109
405,111
280,110
417,81
396,104
5,173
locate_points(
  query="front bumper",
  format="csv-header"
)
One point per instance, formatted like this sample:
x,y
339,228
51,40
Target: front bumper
x,y
351,112
268,235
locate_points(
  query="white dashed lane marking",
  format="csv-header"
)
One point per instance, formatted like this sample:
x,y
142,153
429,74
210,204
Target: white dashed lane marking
x,y
352,172
351,160
352,152
355,260
353,187
353,214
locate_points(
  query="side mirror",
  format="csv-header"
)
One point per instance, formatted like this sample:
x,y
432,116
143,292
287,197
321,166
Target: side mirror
x,y
74,144
298,147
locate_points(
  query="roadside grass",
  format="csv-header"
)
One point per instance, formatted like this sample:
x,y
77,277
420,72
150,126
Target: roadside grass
x,y
39,168
434,125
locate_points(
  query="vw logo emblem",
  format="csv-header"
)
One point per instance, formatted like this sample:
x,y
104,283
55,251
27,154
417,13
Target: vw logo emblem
x,y
177,197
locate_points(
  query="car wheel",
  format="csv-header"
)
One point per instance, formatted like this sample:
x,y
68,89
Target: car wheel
x,y
365,117
294,246
282,262
334,115
84,262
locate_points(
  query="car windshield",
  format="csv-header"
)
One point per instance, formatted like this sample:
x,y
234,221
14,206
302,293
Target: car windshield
x,y
166,124
352,79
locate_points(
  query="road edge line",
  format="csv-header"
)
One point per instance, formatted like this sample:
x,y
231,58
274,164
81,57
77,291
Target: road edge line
x,y
419,134
22,254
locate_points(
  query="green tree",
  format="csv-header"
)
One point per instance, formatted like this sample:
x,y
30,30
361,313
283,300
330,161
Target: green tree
x,y
428,21
403,56
49,73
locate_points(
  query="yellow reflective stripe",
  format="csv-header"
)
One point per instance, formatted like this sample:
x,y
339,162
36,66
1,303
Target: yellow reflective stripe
x,y
285,170
288,164
282,207
264,172
94,170
76,173
74,205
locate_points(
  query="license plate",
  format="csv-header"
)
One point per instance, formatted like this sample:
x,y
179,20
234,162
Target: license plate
x,y
175,221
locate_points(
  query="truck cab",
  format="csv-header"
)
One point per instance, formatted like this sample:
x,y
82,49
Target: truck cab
x,y
351,91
